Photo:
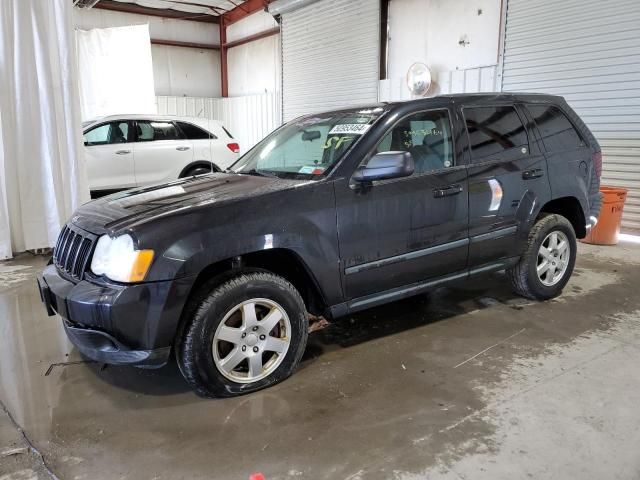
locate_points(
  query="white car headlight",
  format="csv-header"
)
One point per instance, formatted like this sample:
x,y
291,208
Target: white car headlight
x,y
117,259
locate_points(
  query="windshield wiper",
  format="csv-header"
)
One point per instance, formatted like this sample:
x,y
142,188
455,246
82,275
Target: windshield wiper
x,y
258,173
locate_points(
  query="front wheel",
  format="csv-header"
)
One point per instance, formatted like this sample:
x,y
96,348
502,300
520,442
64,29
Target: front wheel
x,y
547,263
244,335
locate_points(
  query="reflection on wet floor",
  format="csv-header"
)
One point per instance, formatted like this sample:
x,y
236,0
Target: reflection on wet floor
x,y
376,391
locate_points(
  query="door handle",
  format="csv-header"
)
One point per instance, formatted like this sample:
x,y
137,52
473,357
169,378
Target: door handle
x,y
123,152
447,191
182,149
531,174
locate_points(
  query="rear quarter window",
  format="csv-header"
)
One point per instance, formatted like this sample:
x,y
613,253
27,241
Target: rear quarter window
x,y
557,132
192,132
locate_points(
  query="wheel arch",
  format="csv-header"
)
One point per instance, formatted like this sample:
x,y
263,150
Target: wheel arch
x,y
570,208
279,261
197,164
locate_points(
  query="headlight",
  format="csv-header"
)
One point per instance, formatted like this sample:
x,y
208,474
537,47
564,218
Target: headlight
x,y
118,259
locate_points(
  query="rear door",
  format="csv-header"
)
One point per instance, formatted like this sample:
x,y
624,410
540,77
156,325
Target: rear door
x,y
110,156
507,180
161,152
201,142
403,231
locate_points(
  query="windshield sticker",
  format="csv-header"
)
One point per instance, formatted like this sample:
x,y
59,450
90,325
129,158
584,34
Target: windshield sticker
x,y
311,170
350,128
337,142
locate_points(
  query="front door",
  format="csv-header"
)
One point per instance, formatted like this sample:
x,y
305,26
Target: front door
x,y
109,153
507,181
403,231
161,152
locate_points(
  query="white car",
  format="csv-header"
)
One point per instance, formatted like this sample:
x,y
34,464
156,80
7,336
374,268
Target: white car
x,y
125,151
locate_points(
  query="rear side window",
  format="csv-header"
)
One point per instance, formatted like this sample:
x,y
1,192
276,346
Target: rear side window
x,y
493,130
557,132
192,132
155,131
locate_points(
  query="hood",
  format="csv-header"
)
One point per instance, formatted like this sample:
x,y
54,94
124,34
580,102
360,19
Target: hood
x,y
129,208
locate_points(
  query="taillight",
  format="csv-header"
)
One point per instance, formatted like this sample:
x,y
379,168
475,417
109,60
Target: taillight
x,y
597,163
234,147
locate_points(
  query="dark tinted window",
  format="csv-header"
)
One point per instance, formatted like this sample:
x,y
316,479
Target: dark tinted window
x,y
148,131
557,131
194,133
427,136
493,130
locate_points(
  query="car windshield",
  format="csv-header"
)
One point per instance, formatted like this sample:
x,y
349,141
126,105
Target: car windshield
x,y
307,147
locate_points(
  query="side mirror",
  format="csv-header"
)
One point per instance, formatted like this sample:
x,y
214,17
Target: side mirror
x,y
384,166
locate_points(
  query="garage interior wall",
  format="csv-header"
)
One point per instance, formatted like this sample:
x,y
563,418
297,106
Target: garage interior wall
x,y
330,56
253,68
108,60
458,41
177,71
589,52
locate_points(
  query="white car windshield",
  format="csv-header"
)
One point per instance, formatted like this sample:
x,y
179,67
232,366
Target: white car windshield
x,y
309,146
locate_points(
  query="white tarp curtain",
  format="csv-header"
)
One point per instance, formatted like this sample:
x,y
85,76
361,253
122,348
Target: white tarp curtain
x,y
116,71
42,170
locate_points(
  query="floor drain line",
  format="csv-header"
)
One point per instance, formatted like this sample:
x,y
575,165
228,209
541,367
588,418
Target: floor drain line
x,y
32,447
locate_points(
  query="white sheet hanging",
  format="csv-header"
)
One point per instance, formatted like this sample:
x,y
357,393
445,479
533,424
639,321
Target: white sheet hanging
x,y
42,171
116,71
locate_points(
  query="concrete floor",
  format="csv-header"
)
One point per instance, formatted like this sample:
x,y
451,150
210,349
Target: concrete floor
x,y
468,383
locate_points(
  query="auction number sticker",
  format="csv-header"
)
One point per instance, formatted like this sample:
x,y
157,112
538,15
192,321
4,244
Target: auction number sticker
x,y
352,128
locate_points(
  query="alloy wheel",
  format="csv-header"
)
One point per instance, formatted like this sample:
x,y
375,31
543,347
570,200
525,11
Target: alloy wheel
x,y
252,340
553,258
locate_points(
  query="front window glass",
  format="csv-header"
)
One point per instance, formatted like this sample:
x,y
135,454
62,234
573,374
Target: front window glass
x,y
427,136
109,133
308,147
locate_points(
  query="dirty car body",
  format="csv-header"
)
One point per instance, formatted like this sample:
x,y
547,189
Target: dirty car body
x,y
415,195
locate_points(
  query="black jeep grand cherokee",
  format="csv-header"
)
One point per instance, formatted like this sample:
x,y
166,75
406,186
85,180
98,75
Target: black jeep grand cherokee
x,y
330,214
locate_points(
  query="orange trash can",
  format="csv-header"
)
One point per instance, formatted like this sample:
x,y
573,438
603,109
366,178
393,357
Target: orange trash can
x,y
608,227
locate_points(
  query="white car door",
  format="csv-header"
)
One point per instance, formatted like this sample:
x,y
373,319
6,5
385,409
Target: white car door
x,y
211,143
110,156
160,152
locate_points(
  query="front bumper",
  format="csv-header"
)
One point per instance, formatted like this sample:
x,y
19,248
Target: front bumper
x,y
113,323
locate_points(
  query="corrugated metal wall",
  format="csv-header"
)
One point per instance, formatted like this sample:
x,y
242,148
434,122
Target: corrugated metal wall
x,y
330,56
589,52
249,118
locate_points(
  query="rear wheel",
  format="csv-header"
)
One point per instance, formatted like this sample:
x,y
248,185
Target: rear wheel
x,y
547,263
244,335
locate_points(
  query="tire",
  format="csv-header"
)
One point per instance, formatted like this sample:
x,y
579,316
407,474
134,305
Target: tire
x,y
220,323
524,276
